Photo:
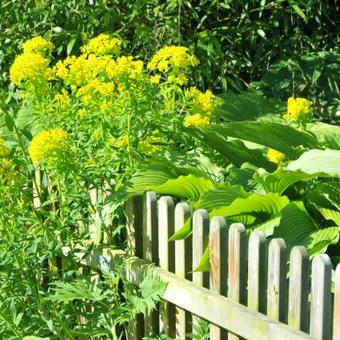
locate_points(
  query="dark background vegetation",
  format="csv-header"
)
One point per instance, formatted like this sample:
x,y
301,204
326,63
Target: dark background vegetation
x,y
236,40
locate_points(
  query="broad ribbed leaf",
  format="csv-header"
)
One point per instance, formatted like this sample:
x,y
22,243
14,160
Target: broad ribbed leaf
x,y
204,264
277,136
280,180
326,195
183,232
223,195
326,134
185,187
330,214
318,241
322,163
295,224
234,151
270,204
269,226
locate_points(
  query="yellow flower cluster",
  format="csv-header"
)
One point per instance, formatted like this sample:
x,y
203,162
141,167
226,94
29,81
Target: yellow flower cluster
x,y
48,144
37,45
103,44
125,67
95,88
123,142
172,58
150,145
62,100
31,65
298,109
275,156
197,120
4,151
155,79
7,172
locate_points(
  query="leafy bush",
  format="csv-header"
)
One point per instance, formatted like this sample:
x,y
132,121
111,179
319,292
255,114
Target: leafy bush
x,y
237,40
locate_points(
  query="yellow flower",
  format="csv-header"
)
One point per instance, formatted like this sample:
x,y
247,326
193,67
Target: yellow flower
x,y
62,100
182,79
150,145
103,44
298,109
81,112
29,66
48,144
37,45
275,156
4,151
123,142
197,120
7,173
125,67
172,58
155,79
202,102
112,140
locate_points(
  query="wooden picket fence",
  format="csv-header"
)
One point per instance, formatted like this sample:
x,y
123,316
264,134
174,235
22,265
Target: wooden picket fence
x,y
249,293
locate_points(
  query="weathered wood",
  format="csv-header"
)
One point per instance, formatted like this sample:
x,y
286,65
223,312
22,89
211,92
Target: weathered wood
x,y
298,289
277,283
134,225
200,240
166,259
336,313
198,300
237,266
218,245
320,319
150,252
257,272
94,235
183,251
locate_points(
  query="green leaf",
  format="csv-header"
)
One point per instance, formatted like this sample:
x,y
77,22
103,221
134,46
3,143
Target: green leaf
x,y
185,187
9,122
234,151
204,264
280,180
330,214
271,204
277,136
322,163
326,134
318,241
295,225
183,232
220,196
269,226
299,11
70,45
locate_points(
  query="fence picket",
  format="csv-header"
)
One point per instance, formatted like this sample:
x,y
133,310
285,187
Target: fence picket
x,y
298,289
257,272
200,239
320,326
182,267
237,266
134,225
166,259
277,283
150,249
218,245
336,314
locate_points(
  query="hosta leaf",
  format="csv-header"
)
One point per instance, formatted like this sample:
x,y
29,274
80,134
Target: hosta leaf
x,y
271,204
280,180
330,214
183,232
185,187
323,163
234,151
295,225
326,195
277,136
326,134
223,195
269,226
204,264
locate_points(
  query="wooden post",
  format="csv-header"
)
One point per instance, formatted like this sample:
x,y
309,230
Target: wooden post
x,y
320,318
150,252
218,265
166,259
298,289
134,226
182,267
237,266
257,272
200,240
277,281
